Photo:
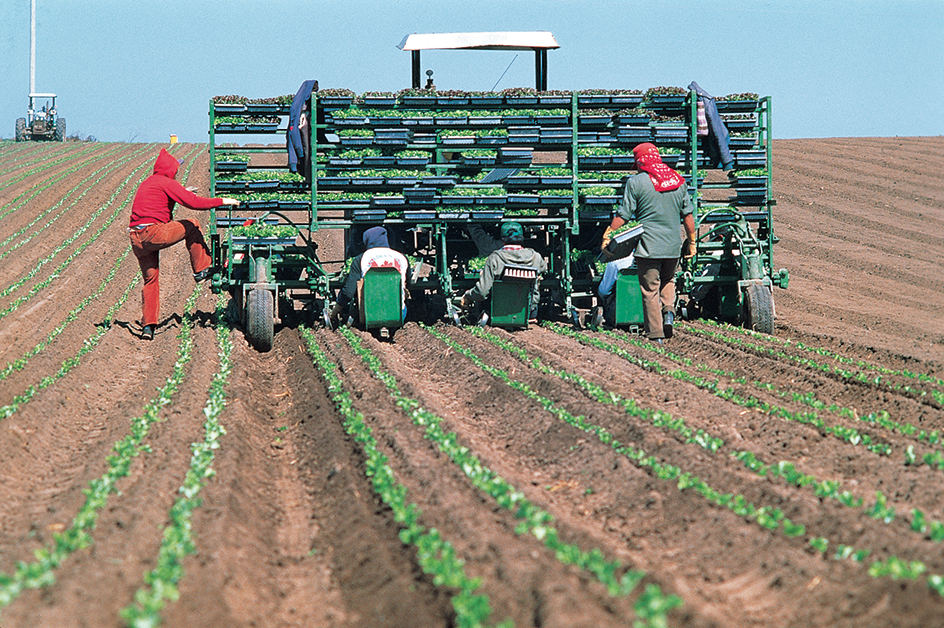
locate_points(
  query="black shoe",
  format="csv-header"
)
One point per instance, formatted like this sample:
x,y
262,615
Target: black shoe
x,y
203,275
148,332
668,320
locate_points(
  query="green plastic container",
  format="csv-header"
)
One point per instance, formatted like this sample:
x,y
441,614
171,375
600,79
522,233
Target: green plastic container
x,y
511,296
629,310
382,301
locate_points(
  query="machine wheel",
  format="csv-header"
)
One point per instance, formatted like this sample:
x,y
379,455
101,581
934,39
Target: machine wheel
x,y
260,319
60,133
759,304
21,129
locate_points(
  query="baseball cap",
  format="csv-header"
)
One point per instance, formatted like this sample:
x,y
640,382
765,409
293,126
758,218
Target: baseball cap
x,y
512,230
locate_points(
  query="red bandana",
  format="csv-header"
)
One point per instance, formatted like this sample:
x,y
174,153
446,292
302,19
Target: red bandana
x,y
648,160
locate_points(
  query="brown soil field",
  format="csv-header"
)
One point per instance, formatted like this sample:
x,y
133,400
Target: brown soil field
x,y
288,530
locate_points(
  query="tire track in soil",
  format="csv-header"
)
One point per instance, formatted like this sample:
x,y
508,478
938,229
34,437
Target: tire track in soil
x,y
687,525
290,532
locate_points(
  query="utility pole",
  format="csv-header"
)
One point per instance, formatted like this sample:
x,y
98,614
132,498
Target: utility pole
x,y
32,46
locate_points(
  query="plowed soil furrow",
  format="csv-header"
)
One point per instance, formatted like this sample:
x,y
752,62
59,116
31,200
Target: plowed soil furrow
x,y
894,171
557,465
876,299
876,381
519,574
291,532
21,190
139,511
774,438
328,553
82,222
30,157
696,462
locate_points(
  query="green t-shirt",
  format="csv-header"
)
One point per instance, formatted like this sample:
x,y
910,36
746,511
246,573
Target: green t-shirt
x,y
660,213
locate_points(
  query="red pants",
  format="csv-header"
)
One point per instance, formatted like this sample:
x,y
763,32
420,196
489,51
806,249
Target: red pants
x,y
657,282
147,243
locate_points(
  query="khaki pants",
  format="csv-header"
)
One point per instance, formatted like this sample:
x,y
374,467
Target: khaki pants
x,y
657,282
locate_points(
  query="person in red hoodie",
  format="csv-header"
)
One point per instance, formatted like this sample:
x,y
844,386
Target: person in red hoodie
x,y
152,228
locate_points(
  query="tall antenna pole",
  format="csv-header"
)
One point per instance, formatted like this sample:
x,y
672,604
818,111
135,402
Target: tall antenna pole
x,y
32,46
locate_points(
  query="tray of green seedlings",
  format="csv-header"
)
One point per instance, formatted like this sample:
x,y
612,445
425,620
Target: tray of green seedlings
x,y
262,233
623,241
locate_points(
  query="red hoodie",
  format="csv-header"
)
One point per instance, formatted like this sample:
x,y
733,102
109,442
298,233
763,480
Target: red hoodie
x,y
156,196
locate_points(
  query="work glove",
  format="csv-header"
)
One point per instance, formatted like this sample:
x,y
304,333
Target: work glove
x,y
335,315
464,302
688,247
607,236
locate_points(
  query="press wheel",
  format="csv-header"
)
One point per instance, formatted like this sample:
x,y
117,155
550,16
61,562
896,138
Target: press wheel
x,y
759,306
260,315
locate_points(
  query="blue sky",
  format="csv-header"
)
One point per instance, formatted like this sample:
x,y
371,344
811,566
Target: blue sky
x,y
139,71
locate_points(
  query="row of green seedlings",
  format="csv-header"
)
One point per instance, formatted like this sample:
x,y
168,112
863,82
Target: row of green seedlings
x,y
177,538
20,363
933,530
35,190
936,390
41,572
826,489
650,606
103,172
515,92
880,418
769,518
435,555
357,112
46,164
65,244
832,355
67,365
31,155
70,363
12,151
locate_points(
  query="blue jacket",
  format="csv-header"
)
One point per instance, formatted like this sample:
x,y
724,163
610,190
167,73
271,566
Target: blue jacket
x,y
717,145
293,137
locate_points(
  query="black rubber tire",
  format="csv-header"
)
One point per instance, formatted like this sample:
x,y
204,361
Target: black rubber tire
x,y
260,319
21,129
759,305
60,134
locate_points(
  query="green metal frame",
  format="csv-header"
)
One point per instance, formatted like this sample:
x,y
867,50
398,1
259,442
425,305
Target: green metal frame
x,y
557,234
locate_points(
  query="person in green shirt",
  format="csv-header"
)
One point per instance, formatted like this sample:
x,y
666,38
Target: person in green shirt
x,y
508,250
657,198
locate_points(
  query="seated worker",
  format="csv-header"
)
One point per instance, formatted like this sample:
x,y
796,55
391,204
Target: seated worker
x,y
606,312
377,253
512,251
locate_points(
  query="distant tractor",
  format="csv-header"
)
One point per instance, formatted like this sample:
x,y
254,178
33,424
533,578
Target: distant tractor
x,y
42,122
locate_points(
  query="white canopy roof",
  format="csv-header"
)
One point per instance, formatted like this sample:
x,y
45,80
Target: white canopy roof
x,y
507,40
